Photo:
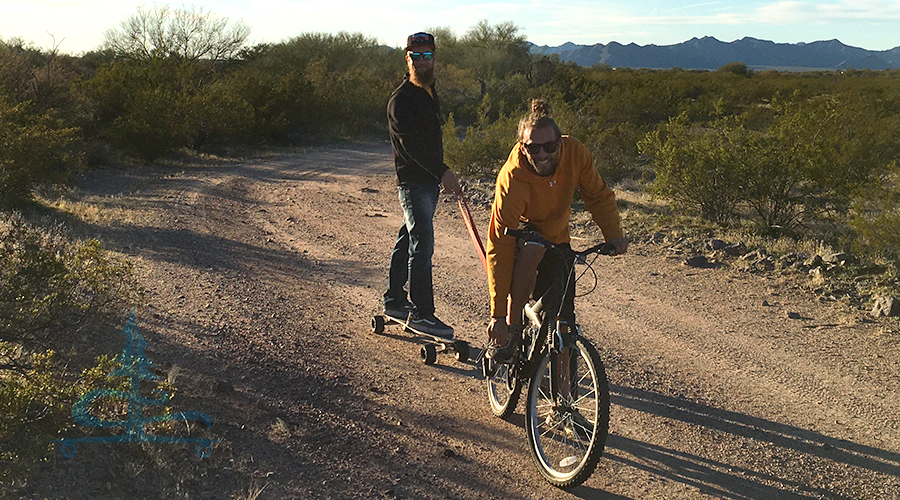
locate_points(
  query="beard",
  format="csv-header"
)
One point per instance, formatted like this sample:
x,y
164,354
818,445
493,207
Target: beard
x,y
544,169
422,77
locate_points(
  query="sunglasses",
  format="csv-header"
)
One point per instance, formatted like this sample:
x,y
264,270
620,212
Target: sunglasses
x,y
424,55
550,147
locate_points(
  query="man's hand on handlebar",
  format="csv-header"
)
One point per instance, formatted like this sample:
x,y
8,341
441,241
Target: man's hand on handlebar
x,y
621,245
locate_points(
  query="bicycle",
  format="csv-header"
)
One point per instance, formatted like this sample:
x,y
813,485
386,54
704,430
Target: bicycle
x,y
567,409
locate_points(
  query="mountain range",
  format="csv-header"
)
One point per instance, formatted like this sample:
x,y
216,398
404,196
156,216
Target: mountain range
x,y
708,53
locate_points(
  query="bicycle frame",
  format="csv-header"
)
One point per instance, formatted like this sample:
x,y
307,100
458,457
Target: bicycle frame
x,y
567,410
549,306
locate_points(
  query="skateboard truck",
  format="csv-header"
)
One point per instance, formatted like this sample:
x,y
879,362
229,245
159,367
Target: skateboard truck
x,y
433,344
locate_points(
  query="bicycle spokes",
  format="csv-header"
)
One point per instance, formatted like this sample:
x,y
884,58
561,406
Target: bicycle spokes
x,y
567,414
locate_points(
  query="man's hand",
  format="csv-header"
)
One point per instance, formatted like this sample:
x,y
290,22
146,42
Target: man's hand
x,y
451,182
498,331
621,245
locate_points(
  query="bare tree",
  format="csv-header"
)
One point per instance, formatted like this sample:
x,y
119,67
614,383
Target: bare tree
x,y
187,33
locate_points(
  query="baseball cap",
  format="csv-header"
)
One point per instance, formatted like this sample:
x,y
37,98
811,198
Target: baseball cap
x,y
420,38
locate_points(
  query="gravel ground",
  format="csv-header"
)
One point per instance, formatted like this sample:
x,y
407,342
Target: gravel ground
x,y
263,275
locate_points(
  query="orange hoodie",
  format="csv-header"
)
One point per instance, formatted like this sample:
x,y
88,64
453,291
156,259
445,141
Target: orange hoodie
x,y
545,202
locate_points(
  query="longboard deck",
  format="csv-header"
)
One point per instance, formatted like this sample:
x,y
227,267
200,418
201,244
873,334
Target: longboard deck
x,y
405,324
433,343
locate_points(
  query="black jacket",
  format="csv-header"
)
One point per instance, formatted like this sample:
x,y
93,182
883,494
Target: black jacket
x,y
414,123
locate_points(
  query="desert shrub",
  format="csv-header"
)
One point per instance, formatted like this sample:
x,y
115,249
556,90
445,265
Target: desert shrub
x,y
799,171
49,284
615,151
316,86
482,150
815,154
50,288
876,218
35,149
162,90
278,115
36,399
152,108
219,116
698,168
183,33
43,78
142,106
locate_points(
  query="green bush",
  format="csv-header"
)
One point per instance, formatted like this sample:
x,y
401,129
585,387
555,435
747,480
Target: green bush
x,y
50,287
35,149
50,284
697,168
219,116
802,169
319,85
144,106
875,217
36,401
806,166
483,149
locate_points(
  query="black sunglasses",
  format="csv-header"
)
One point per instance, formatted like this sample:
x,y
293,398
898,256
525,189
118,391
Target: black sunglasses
x,y
425,55
550,147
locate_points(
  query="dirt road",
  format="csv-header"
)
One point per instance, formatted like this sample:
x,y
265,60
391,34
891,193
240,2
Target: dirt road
x,y
264,274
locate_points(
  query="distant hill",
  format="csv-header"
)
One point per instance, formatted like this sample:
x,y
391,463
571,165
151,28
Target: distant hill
x,y
709,53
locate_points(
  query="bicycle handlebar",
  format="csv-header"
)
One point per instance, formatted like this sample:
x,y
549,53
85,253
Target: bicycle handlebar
x,y
600,248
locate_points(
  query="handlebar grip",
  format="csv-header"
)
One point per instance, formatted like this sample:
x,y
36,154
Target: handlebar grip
x,y
602,249
607,249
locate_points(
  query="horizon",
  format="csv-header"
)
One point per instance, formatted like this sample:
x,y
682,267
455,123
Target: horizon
x,y
77,27
719,40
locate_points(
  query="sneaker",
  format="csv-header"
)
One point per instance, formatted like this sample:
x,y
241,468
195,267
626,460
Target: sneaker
x,y
505,354
430,325
397,310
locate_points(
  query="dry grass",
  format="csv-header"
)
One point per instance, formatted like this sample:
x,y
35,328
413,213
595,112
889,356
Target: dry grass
x,y
279,431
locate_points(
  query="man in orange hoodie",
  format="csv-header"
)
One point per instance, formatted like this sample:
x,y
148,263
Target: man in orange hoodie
x,y
535,189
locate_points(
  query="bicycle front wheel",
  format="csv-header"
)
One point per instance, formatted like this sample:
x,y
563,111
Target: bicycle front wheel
x,y
567,414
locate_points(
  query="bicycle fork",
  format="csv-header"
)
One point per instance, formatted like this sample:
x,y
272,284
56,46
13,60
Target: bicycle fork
x,y
563,366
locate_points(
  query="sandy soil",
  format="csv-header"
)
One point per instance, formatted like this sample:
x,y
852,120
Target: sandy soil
x,y
263,275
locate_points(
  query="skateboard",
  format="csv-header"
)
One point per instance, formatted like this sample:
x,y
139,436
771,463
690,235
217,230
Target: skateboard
x,y
433,344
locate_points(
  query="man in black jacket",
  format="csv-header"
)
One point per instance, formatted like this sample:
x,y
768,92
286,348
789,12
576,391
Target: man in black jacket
x,y
414,123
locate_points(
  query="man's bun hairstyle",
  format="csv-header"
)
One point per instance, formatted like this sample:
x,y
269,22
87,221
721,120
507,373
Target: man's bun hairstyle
x,y
540,116
541,108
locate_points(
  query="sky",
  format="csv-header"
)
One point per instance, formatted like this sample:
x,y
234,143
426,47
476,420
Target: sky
x,y
75,27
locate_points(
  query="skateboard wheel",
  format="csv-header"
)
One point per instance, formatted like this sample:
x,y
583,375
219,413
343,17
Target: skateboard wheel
x,y
429,354
378,324
462,350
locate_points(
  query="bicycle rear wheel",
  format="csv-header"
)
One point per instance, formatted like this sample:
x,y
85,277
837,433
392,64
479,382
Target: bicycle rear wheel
x,y
567,431
503,386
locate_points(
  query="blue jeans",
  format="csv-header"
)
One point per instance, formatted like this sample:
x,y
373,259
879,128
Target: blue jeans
x,y
411,257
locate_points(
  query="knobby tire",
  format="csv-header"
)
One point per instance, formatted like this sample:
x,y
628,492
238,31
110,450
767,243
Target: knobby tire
x,y
564,452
